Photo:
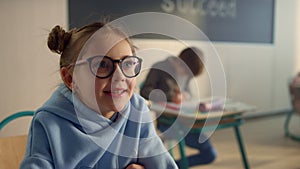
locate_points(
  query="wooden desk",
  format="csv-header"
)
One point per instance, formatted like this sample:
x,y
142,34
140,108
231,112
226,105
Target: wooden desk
x,y
12,151
203,122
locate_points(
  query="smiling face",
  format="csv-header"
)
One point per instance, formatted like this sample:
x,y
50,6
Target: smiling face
x,y
114,92
108,95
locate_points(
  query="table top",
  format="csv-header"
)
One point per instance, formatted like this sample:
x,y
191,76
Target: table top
x,y
231,108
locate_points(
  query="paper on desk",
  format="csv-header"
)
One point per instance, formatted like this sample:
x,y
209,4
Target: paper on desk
x,y
187,108
191,107
232,105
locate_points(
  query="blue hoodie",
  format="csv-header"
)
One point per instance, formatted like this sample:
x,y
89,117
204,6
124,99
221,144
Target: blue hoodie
x,y
66,134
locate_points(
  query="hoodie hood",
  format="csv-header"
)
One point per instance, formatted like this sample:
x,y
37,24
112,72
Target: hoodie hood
x,y
102,131
65,104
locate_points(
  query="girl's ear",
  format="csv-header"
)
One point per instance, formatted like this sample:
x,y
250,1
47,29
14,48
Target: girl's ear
x,y
66,77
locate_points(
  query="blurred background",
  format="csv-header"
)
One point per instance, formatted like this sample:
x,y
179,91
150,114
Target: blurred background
x,y
257,70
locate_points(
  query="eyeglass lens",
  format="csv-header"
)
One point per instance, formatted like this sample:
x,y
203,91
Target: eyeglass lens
x,y
103,67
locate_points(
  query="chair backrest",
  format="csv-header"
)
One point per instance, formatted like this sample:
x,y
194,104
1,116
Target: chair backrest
x,y
15,116
12,151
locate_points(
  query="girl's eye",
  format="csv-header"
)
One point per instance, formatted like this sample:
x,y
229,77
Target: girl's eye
x,y
102,64
129,64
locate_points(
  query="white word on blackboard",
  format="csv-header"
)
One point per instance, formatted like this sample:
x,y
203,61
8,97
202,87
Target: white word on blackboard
x,y
213,8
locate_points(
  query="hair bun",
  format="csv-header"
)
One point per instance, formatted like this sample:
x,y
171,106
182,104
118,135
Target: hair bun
x,y
58,39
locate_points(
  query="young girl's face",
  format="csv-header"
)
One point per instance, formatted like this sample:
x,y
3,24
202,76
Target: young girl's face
x,y
107,95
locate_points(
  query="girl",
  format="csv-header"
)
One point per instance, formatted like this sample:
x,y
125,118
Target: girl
x,y
94,119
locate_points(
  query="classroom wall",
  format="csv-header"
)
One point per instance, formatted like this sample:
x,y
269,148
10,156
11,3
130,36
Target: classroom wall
x,y
29,71
255,73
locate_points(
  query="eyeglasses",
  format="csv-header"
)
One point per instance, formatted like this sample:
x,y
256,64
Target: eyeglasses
x,y
104,66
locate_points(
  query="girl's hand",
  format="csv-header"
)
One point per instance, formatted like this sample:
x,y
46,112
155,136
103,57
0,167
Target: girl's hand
x,y
135,166
177,98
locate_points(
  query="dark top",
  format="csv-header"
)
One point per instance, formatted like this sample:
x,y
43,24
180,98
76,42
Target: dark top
x,y
163,76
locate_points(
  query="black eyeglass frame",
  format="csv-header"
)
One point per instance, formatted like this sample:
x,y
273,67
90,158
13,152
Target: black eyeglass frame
x,y
119,61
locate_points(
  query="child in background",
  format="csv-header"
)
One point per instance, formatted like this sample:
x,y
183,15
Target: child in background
x,y
94,119
168,81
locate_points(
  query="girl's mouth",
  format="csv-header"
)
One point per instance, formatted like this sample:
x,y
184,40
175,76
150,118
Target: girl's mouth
x,y
116,92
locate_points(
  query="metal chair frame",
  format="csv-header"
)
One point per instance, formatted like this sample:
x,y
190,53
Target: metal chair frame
x,y
14,116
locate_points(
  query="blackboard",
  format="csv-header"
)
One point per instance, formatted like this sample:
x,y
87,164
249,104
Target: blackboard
x,y
250,21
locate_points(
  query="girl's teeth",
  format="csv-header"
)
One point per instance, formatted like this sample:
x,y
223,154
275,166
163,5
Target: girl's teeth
x,y
117,92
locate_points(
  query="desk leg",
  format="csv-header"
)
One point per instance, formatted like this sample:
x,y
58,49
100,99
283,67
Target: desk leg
x,y
170,147
183,161
241,145
286,123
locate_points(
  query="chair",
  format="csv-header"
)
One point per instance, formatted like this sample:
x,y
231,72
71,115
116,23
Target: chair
x,y
294,90
12,149
15,116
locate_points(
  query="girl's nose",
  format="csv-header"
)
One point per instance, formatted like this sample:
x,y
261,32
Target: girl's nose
x,y
118,74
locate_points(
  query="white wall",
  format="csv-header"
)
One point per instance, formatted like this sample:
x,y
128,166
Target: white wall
x,y
286,52
256,73
28,68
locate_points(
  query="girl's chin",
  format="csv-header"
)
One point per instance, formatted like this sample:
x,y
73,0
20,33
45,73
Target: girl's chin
x,y
117,106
